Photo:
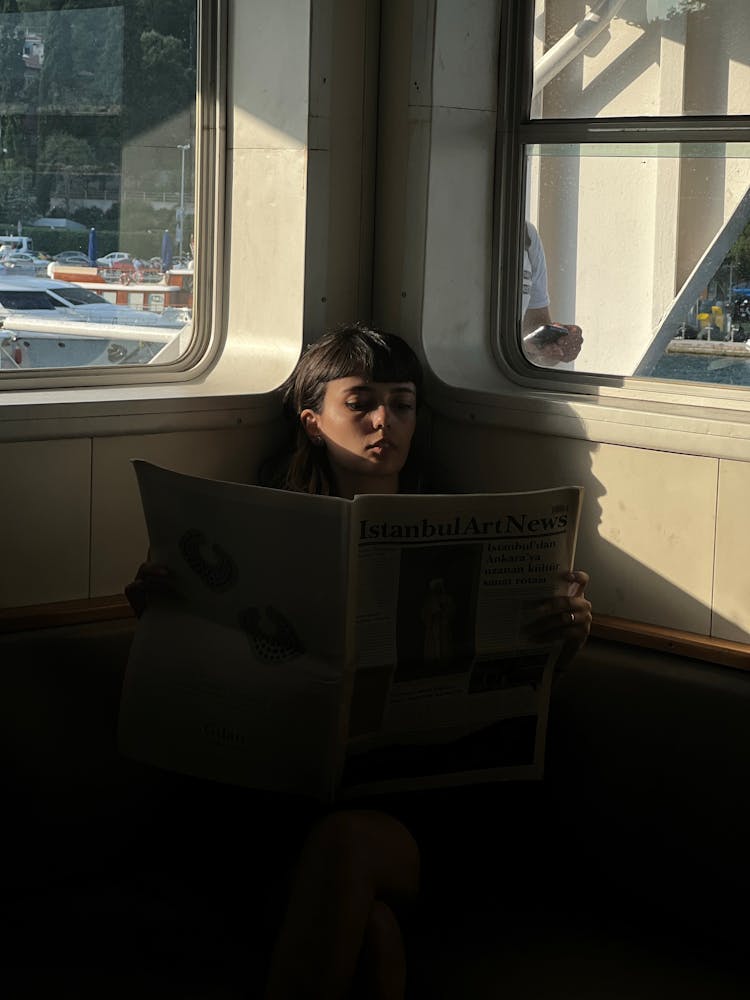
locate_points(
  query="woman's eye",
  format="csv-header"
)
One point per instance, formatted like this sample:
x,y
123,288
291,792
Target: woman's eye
x,y
356,404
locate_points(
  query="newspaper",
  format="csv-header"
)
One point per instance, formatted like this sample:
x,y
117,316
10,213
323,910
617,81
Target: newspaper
x,y
336,647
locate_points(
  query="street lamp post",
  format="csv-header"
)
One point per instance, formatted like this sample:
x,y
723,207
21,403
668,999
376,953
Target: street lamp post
x,y
183,150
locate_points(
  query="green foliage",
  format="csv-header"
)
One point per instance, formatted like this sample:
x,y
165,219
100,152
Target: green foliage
x,y
17,195
57,83
739,257
117,75
686,7
88,217
52,241
11,58
11,142
64,152
43,186
141,243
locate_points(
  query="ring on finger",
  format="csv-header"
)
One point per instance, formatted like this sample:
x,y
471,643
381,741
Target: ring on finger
x,y
572,617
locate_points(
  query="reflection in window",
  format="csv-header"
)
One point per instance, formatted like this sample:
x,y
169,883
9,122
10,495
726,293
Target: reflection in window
x,y
644,244
12,301
77,296
619,58
97,154
647,249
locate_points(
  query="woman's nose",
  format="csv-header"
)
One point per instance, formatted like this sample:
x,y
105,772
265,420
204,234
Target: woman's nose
x,y
380,416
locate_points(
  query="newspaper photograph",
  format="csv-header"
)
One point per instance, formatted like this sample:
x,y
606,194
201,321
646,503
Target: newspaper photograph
x,y
449,687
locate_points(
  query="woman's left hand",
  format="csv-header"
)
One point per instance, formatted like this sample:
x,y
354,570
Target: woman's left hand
x,y
567,618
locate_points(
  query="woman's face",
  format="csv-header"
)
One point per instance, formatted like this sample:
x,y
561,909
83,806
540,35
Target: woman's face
x,y
366,429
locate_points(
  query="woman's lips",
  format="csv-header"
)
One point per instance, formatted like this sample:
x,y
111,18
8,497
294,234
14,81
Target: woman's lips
x,y
380,446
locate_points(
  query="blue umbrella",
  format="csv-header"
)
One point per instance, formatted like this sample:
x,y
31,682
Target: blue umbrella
x,y
93,253
166,251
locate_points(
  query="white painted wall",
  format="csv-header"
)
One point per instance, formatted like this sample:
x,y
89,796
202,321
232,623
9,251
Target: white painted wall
x,y
651,536
298,250
660,525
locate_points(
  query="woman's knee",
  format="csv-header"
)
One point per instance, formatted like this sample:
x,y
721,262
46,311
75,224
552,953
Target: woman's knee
x,y
368,845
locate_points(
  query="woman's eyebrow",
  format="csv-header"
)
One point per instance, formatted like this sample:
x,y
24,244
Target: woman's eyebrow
x,y
369,387
365,387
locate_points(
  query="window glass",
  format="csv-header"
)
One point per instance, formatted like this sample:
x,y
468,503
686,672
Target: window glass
x,y
12,301
647,250
97,178
637,251
616,58
71,294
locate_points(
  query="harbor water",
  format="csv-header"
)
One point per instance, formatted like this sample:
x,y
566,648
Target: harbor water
x,y
699,368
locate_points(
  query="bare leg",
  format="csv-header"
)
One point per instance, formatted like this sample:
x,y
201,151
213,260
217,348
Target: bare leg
x,y
332,927
382,969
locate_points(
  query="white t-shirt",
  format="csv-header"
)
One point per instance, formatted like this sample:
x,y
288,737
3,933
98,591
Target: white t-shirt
x,y
535,294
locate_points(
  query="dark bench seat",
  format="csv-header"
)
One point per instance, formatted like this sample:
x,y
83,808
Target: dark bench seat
x,y
623,874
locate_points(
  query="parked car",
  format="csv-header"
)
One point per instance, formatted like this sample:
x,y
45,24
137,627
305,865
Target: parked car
x,y
110,259
24,263
75,257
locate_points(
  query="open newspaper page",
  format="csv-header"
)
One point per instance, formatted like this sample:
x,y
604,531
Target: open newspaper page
x,y
242,676
448,687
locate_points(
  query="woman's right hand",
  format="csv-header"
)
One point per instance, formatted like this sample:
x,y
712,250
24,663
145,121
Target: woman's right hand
x,y
152,579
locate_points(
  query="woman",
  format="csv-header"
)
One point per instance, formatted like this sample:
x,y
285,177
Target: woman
x,y
352,399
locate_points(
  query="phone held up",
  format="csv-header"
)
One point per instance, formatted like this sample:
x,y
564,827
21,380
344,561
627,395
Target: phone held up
x,y
548,334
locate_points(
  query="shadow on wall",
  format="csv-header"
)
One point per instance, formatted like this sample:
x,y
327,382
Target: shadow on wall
x,y
657,509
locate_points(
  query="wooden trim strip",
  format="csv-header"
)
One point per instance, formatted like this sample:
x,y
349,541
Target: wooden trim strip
x,y
623,630
669,640
82,612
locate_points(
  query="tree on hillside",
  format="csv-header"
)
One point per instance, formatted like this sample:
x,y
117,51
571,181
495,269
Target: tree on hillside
x,y
109,57
11,55
168,78
64,158
57,82
11,142
17,197
739,257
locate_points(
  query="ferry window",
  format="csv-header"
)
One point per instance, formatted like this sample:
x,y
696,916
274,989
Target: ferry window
x,y
73,295
97,181
637,161
12,301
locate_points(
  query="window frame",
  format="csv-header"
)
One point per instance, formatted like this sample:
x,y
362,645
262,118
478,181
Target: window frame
x,y
516,130
210,156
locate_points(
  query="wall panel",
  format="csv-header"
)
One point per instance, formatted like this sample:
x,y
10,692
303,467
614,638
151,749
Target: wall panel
x,y
119,541
647,531
732,568
45,498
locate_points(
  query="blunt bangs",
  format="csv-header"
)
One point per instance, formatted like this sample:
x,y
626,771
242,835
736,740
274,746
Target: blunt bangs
x,y
379,357
354,349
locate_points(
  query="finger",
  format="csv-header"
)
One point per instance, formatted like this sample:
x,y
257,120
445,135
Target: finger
x,y
579,580
571,625
556,606
152,571
571,351
135,597
571,617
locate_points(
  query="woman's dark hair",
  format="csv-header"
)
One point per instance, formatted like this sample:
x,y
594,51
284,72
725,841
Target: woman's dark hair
x,y
354,349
